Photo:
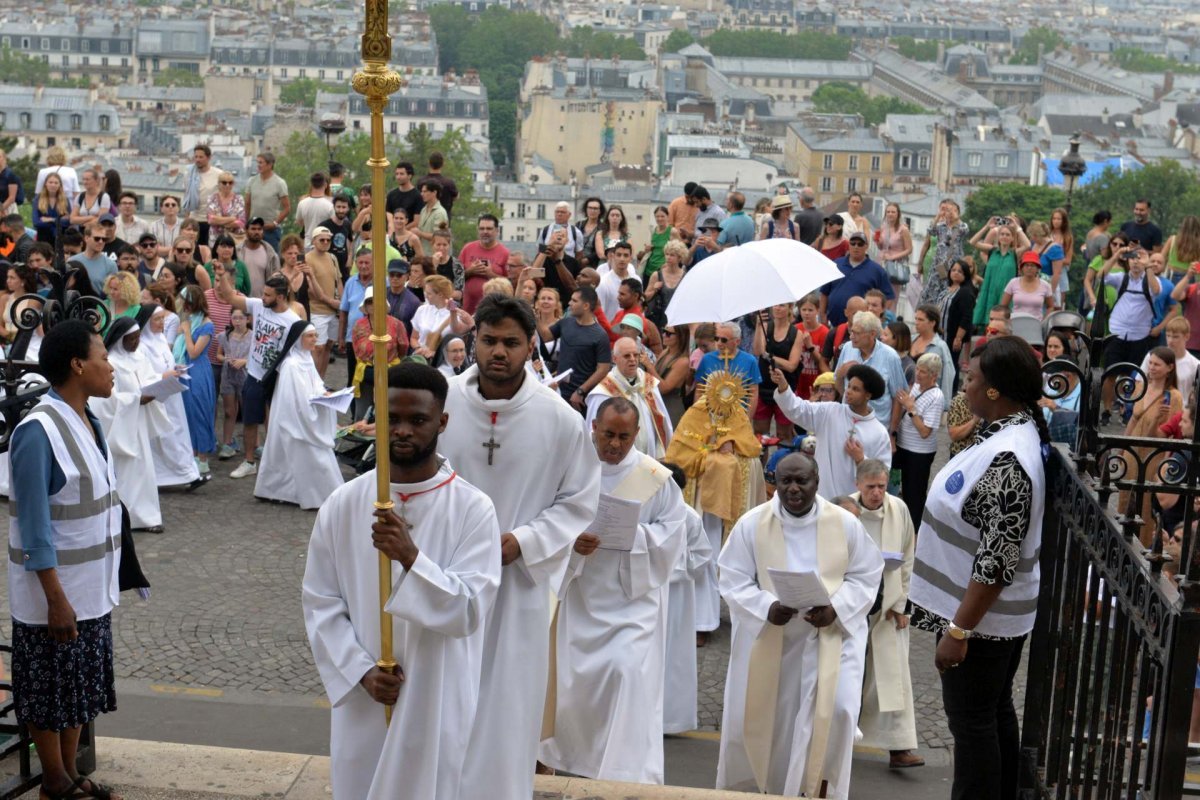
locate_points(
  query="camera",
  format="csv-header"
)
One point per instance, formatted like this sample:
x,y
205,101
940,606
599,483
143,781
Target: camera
x,y
1003,221
1129,255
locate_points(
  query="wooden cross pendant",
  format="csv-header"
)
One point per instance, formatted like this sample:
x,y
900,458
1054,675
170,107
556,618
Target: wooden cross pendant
x,y
492,445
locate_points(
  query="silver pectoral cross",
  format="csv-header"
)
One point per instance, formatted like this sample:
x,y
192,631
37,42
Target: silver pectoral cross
x,y
492,446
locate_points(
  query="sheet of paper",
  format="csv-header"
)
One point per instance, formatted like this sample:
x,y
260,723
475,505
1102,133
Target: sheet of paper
x,y
616,522
799,590
553,379
339,401
162,389
892,560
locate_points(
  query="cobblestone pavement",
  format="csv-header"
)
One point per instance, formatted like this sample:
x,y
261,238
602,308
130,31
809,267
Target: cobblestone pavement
x,y
225,610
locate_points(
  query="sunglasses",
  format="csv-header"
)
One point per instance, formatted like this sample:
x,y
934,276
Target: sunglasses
x,y
149,244
724,340
227,183
97,238
183,249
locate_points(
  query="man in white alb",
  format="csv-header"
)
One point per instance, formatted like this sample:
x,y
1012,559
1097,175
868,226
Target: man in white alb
x,y
520,443
444,542
887,720
630,381
610,641
794,686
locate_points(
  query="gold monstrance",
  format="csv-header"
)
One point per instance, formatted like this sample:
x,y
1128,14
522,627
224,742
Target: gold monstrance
x,y
376,82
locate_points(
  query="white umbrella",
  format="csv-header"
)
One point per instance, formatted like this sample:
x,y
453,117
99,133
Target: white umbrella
x,y
754,276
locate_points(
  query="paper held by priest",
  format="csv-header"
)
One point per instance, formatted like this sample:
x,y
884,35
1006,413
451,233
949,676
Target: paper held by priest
x,y
799,590
616,522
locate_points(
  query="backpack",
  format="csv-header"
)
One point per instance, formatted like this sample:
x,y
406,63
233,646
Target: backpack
x,y
771,229
1124,287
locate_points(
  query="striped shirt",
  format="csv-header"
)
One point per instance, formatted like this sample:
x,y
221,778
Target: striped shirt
x,y
928,408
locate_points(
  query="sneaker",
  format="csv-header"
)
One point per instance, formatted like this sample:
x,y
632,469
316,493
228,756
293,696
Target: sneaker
x,y
226,452
245,469
204,470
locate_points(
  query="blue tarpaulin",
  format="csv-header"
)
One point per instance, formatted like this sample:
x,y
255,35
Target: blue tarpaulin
x,y
1054,176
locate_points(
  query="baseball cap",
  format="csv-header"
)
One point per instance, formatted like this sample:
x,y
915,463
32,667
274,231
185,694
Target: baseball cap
x,y
710,224
1030,257
321,230
107,218
147,237
825,379
257,221
857,235
397,266
836,219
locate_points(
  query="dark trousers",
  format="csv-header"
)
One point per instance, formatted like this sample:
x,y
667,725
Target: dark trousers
x,y
977,696
914,480
203,236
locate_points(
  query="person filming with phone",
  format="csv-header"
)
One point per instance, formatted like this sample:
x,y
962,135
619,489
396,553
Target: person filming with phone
x,y
484,259
1132,314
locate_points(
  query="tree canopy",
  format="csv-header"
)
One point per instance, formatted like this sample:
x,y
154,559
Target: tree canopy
x,y
1027,52
18,68
585,41
183,78
303,91
842,98
676,41
917,50
1135,60
305,153
769,44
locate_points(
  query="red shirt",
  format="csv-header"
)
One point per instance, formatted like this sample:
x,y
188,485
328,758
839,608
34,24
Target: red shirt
x,y
497,258
837,251
810,368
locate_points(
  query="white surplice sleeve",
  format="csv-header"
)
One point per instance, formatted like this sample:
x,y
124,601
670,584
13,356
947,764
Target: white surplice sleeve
x,y
806,414
546,539
910,548
699,547
864,569
341,659
120,413
454,599
657,544
738,581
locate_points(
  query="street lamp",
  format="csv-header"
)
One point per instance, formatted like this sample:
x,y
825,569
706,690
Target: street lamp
x,y
331,125
1072,168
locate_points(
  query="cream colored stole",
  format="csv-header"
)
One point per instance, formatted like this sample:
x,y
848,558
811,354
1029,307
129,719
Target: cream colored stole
x,y
766,655
642,483
885,639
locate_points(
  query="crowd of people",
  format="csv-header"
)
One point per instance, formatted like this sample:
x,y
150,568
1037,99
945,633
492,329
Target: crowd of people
x,y
579,482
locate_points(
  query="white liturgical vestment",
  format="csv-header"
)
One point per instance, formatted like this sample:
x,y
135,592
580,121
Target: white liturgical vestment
x,y
438,608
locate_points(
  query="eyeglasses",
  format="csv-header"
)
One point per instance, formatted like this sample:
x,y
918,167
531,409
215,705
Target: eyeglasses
x,y
149,244
183,249
227,183
857,243
723,340
97,238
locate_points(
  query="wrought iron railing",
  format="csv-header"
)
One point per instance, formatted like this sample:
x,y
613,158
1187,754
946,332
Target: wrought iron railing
x,y
1113,656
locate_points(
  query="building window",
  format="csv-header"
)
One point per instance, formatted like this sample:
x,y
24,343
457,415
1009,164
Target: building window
x,y
303,72
467,128
395,127
24,42
412,126
66,61
51,122
283,72
905,159
1001,160
86,61
104,122
85,46
853,163
826,184
827,161
357,123
66,45
124,62
104,61
124,47
104,45
26,119
520,211
876,162
873,186
321,74
341,75
851,184
45,43
76,122
923,160
541,209
974,159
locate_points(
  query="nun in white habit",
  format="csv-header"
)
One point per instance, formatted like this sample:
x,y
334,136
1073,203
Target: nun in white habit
x,y
298,463
174,464
128,417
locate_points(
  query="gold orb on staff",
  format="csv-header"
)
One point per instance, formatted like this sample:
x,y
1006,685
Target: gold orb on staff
x,y
375,82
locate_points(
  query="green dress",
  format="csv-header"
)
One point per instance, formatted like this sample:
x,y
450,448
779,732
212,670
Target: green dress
x,y
655,258
1001,268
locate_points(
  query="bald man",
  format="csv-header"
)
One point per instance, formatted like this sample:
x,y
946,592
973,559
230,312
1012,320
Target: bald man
x,y
628,380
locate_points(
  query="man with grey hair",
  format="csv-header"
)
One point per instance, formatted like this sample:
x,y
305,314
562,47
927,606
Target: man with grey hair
x,y
887,720
864,347
728,356
809,219
627,379
562,224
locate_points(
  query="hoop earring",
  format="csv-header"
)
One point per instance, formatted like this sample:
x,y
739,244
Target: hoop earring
x,y
993,394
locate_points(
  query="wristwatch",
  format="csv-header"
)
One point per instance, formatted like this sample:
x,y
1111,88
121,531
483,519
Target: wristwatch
x,y
912,414
961,634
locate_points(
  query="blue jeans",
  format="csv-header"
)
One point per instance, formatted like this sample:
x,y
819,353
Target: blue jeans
x,y
273,237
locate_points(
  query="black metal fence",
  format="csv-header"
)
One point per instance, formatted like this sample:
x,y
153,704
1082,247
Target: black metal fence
x,y
1113,655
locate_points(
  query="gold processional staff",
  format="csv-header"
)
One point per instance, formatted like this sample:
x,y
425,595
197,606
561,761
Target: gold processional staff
x,y
376,82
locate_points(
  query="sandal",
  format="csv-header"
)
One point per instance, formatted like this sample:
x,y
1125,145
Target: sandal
x,y
98,790
72,792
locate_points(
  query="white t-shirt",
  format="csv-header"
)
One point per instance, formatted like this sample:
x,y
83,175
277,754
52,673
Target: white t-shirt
x,y
428,319
268,330
68,176
1185,373
311,212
